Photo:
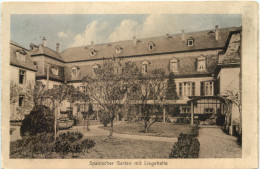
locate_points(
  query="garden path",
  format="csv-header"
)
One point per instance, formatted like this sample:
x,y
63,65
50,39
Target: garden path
x,y
214,143
96,131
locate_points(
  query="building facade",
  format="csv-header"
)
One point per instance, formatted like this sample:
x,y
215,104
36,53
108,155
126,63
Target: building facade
x,y
22,79
201,62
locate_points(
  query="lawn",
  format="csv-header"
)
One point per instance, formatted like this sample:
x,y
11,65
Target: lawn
x,y
159,129
92,123
116,148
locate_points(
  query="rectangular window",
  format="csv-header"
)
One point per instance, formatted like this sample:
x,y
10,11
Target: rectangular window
x,y
186,110
187,88
35,64
74,71
180,89
190,42
55,71
193,89
21,100
144,68
83,89
174,66
209,110
201,64
20,57
22,76
206,88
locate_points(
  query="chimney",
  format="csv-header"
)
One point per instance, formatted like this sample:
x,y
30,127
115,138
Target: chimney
x,y
216,32
182,36
57,47
134,41
44,43
92,44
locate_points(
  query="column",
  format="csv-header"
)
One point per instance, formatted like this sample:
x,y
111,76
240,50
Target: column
x,y
192,113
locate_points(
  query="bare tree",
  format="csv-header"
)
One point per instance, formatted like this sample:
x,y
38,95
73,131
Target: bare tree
x,y
109,87
151,89
234,98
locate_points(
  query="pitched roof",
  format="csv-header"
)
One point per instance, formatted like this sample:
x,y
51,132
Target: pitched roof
x,y
28,64
40,49
232,54
164,44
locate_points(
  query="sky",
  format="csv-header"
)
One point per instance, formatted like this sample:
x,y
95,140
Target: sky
x,y
80,30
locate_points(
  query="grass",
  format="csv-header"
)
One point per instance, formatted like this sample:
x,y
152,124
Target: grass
x,y
118,148
159,129
92,123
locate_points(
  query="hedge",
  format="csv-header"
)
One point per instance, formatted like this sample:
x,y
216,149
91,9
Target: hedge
x,y
187,146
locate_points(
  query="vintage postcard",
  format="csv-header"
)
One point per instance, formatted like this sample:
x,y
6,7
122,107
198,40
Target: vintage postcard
x,y
129,85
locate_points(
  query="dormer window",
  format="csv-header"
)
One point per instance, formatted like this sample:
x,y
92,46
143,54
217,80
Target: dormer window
x,y
145,66
119,50
151,45
75,71
190,42
35,64
93,52
55,71
201,63
20,56
95,67
174,65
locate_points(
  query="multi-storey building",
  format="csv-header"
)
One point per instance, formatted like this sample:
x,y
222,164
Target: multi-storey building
x,y
22,76
201,62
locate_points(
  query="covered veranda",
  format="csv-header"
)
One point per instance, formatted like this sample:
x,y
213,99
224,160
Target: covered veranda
x,y
206,104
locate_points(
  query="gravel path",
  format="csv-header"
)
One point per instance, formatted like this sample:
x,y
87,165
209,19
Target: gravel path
x,y
96,131
214,143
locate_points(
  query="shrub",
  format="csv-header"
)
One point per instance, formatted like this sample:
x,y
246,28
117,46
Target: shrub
x,y
195,130
28,146
105,120
70,143
239,139
76,148
187,147
70,136
62,147
40,120
88,144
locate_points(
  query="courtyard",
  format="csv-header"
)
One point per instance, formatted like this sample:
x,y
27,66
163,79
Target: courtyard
x,y
129,142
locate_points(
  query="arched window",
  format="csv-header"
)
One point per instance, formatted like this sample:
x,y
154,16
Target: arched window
x,y
201,63
145,64
93,52
174,65
151,45
119,49
94,68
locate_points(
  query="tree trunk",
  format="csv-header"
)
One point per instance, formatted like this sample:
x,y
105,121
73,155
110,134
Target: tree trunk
x,y
164,110
84,123
97,115
88,123
145,127
111,128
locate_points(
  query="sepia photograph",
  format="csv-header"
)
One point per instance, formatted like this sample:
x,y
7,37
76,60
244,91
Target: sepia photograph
x,y
126,89
95,88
